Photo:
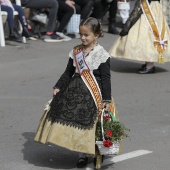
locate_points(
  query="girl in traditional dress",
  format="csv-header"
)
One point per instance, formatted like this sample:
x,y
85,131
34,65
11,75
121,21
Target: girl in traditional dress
x,y
79,96
145,36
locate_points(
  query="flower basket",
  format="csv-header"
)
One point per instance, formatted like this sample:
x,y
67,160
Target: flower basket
x,y
112,150
109,133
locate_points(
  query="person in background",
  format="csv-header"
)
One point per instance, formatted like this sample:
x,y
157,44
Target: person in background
x,y
66,10
144,37
86,7
52,6
8,7
100,9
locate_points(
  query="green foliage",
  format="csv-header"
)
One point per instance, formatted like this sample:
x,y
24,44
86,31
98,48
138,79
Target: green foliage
x,y
117,129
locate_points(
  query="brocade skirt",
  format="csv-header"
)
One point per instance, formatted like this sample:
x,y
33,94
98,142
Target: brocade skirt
x,y
70,119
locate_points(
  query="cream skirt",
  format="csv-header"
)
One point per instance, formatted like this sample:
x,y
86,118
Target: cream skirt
x,y
138,44
71,138
65,136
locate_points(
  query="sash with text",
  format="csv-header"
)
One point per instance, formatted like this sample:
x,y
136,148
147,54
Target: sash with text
x,y
89,79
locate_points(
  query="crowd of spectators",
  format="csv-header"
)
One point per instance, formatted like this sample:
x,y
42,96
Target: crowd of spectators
x,y
59,11
9,7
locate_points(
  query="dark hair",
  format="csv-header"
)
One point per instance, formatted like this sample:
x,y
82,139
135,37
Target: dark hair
x,y
94,25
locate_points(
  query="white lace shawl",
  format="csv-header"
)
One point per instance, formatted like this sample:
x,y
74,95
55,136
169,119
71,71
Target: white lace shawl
x,y
95,57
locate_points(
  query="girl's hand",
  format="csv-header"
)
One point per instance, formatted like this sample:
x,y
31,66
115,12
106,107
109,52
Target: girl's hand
x,y
55,91
70,3
106,106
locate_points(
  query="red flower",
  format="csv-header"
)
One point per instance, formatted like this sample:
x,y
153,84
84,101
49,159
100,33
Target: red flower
x,y
107,143
109,133
107,117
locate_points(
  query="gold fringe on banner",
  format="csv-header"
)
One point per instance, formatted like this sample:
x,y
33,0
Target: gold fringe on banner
x,y
161,58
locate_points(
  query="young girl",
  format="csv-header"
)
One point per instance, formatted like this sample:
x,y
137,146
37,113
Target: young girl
x,y
79,95
145,36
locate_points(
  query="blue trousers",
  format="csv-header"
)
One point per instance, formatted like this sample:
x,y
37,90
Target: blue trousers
x,y
10,17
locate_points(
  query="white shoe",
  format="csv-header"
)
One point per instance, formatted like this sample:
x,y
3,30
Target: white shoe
x,y
65,37
32,38
53,38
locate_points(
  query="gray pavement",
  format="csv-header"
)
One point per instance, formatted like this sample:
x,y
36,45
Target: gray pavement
x,y
27,75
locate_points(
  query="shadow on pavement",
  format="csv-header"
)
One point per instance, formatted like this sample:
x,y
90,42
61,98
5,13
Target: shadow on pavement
x,y
50,156
129,66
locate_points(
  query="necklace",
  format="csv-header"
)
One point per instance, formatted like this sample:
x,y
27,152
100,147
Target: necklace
x,y
87,50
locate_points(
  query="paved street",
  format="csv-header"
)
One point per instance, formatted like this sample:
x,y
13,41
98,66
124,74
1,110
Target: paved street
x,y
27,75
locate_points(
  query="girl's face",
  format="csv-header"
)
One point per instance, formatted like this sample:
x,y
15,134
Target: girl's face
x,y
87,37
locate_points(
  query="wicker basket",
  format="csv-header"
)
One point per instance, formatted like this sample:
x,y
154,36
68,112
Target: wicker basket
x,y
112,150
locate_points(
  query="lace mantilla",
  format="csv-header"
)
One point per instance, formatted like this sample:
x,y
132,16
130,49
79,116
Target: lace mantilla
x,y
74,105
95,57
